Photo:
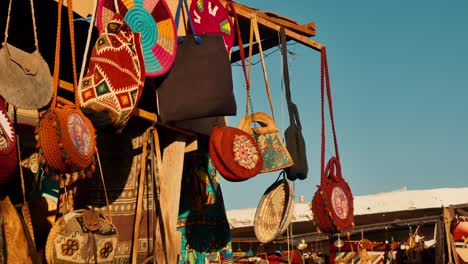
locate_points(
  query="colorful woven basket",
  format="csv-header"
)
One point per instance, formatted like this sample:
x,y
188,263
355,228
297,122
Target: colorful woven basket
x,y
153,19
275,210
8,156
210,16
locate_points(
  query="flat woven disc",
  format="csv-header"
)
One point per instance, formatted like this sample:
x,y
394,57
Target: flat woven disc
x,y
153,19
210,16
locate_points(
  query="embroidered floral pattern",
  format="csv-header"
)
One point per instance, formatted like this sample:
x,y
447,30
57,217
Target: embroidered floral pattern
x,y
339,202
79,133
106,250
245,152
70,247
273,151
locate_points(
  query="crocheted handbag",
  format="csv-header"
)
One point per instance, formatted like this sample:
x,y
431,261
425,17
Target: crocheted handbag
x,y
25,79
235,154
114,82
332,204
65,136
8,155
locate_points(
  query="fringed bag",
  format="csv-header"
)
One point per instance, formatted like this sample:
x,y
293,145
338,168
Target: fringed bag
x,y
25,79
332,204
65,136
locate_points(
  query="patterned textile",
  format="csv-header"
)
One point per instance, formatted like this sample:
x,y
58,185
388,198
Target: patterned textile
x,y
275,154
206,237
245,152
116,74
8,157
120,158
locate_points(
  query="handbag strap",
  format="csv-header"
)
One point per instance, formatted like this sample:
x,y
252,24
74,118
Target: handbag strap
x,y
254,31
292,108
31,2
88,43
325,84
177,17
57,49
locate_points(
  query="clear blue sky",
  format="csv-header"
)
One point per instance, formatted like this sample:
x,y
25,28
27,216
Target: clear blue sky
x,y
399,76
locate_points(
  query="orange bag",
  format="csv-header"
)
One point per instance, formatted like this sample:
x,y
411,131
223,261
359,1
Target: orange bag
x,y
65,136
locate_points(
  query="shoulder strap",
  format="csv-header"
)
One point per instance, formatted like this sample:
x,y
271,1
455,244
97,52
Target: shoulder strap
x,y
31,2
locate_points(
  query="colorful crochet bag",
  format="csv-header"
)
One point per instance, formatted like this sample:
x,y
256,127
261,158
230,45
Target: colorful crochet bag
x,y
114,82
25,79
235,154
210,16
332,205
65,136
8,155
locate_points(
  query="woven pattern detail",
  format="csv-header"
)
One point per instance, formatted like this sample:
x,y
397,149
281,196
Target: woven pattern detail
x,y
245,153
116,73
274,212
8,156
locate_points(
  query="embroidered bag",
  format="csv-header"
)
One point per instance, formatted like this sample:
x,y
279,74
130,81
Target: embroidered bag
x,y
65,136
332,204
293,134
274,152
210,16
109,93
199,83
82,236
25,79
8,156
234,153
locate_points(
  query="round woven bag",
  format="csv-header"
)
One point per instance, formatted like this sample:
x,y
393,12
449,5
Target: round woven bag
x,y
210,16
66,139
275,210
332,204
8,155
154,20
235,154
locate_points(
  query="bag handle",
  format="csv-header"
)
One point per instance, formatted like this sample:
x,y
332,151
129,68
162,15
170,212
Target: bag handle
x,y
177,19
325,83
267,124
255,31
31,2
57,49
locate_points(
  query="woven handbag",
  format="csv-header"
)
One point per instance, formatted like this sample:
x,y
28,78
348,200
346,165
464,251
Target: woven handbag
x,y
8,156
274,152
275,210
332,204
65,136
25,79
235,154
113,85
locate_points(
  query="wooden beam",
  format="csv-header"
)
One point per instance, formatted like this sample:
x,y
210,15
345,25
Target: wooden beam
x,y
191,138
248,14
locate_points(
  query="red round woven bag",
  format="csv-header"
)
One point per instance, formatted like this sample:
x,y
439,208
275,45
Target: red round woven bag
x,y
8,155
332,204
235,154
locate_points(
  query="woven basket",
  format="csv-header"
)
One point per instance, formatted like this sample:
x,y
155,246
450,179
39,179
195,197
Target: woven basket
x,y
275,210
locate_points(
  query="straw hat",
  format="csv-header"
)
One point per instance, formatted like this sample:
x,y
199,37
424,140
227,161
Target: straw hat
x,y
153,19
210,16
275,210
